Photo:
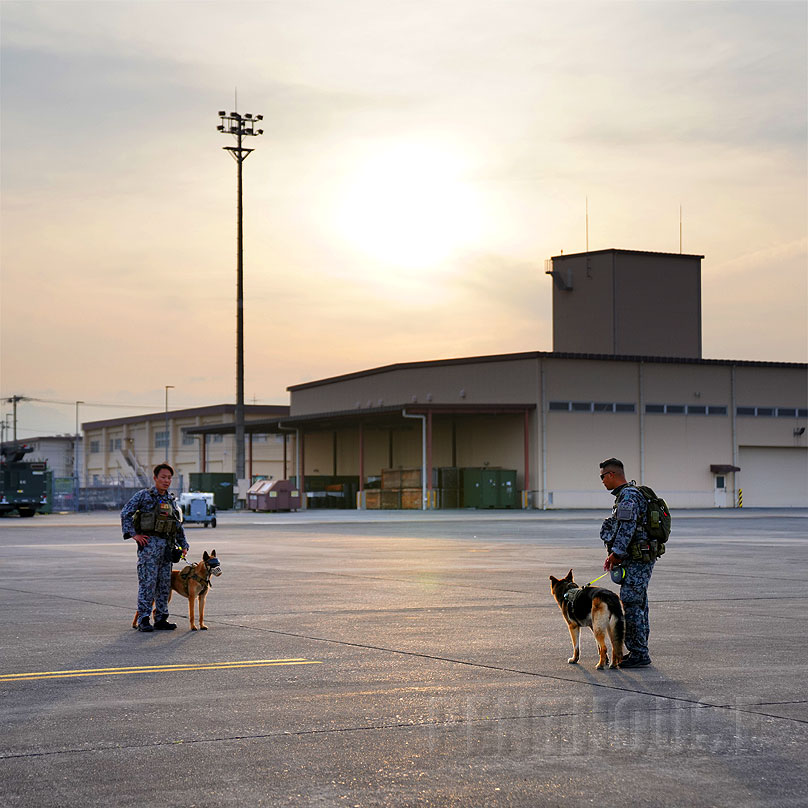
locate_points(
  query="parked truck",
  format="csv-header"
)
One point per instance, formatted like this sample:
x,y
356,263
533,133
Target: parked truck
x,y
24,483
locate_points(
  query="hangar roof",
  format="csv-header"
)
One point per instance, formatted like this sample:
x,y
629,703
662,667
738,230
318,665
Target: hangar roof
x,y
265,410
379,417
515,357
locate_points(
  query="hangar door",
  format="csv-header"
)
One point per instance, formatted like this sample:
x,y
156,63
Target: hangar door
x,y
773,477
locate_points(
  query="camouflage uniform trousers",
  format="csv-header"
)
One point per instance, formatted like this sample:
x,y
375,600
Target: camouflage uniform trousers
x,y
154,579
634,595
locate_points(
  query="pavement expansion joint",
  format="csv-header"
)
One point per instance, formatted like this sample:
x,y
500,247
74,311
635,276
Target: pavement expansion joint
x,y
688,700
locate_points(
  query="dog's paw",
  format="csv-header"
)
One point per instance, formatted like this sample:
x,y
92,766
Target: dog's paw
x,y
203,628
573,660
193,628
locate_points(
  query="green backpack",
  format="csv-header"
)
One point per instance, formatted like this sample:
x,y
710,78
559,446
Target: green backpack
x,y
658,516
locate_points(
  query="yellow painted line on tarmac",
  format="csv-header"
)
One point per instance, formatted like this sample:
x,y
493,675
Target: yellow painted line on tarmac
x,y
247,663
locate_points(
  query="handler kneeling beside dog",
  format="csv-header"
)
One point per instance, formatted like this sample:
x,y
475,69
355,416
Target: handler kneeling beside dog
x,y
152,519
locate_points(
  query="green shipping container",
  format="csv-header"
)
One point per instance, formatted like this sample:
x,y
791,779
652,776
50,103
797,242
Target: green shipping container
x,y
488,488
507,495
218,483
479,488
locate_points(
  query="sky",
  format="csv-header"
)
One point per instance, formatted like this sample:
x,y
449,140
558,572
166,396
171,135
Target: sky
x,y
420,161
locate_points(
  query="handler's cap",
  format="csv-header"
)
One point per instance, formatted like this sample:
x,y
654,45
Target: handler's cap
x,y
618,574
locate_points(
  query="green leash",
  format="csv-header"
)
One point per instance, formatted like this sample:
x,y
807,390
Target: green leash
x,y
610,572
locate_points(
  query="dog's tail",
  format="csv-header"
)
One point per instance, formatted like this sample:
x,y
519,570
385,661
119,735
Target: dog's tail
x,y
619,623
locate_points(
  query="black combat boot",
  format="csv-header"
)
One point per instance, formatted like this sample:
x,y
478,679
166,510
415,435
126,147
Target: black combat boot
x,y
629,662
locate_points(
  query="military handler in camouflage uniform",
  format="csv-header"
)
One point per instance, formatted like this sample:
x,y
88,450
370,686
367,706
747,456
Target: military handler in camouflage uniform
x,y
152,519
626,540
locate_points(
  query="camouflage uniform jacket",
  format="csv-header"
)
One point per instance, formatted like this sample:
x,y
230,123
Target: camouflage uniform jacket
x,y
625,525
146,500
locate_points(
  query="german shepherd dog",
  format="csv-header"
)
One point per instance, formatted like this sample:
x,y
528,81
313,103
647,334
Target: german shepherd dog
x,y
193,583
592,606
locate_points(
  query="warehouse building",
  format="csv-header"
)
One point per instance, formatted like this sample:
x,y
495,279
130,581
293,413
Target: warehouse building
x,y
625,378
125,450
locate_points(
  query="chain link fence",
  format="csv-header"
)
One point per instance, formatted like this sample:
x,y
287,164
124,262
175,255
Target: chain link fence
x,y
107,495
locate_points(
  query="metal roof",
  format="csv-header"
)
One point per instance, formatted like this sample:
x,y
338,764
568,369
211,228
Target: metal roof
x,y
192,412
515,357
625,252
390,415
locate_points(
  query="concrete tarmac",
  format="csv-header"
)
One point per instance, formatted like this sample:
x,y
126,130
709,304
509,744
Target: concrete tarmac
x,y
402,659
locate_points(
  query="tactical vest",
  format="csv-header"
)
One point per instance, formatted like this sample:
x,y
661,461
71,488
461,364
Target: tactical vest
x,y
161,521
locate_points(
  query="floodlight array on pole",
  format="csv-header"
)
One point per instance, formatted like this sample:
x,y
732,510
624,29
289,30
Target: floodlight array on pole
x,y
240,125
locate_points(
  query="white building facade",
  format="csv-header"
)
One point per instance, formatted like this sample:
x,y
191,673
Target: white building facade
x,y
127,449
704,433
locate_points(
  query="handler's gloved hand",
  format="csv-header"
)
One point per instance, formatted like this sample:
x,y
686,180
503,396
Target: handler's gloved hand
x,y
612,560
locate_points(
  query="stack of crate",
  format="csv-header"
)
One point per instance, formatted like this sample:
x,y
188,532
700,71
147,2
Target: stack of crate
x,y
391,489
401,488
373,494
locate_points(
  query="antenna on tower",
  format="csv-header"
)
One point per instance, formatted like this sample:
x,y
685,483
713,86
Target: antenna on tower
x,y
587,224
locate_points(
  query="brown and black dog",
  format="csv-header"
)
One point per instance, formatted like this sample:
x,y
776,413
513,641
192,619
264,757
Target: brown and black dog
x,y
592,606
193,583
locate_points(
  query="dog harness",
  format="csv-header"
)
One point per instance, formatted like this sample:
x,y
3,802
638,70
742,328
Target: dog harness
x,y
190,572
572,597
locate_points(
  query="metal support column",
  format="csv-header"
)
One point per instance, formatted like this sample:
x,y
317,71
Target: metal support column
x,y
527,459
422,418
361,503
429,459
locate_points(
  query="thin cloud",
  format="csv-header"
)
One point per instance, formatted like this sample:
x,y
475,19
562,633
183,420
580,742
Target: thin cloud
x,y
115,184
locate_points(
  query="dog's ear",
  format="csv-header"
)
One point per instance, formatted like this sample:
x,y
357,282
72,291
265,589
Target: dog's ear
x,y
568,576
553,580
212,553
205,555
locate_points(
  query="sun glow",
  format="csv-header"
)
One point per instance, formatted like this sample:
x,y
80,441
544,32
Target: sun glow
x,y
409,205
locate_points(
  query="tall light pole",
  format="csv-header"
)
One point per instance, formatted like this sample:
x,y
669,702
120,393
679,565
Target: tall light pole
x,y
240,125
13,401
6,427
168,438
77,483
